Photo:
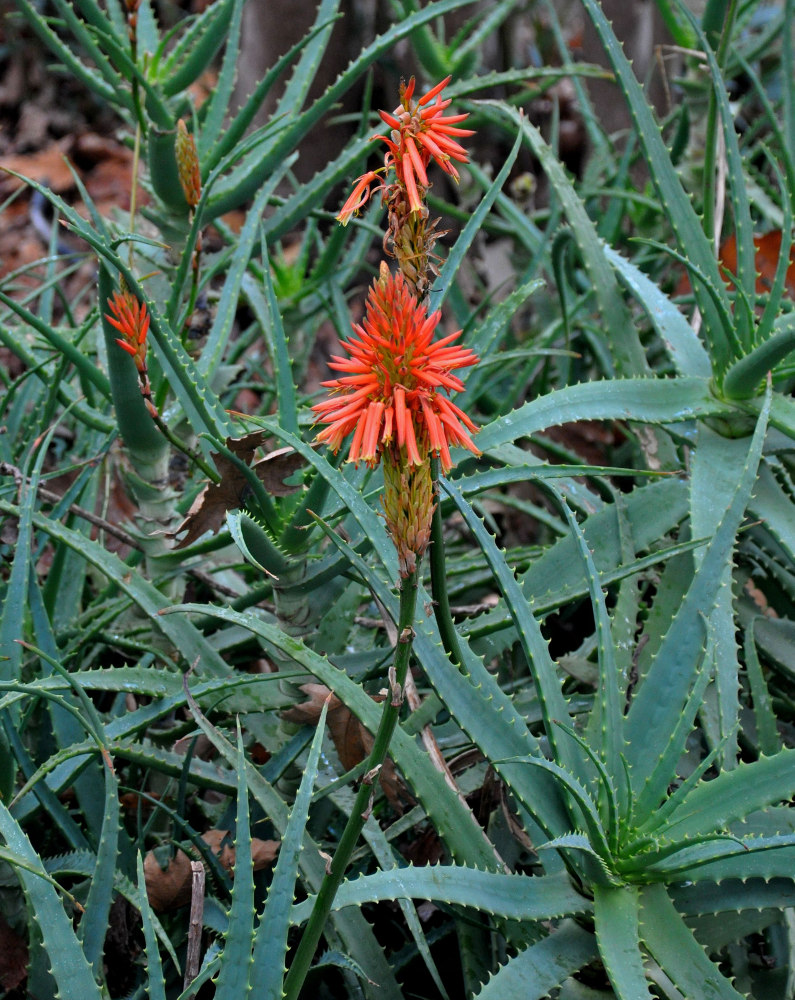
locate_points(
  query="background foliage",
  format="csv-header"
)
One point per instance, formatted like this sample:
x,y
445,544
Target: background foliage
x,y
589,789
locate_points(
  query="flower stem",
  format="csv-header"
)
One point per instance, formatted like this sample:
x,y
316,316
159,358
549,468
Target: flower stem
x,y
362,804
186,450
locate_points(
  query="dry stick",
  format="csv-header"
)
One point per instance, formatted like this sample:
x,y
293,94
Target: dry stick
x,y
429,740
6,469
193,955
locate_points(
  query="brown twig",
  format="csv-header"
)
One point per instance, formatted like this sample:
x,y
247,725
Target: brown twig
x,y
7,469
193,953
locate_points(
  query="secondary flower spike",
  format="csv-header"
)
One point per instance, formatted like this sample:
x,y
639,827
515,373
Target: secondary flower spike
x,y
419,133
392,394
131,319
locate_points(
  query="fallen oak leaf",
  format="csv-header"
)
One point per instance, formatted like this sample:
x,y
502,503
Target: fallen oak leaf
x,y
170,888
208,510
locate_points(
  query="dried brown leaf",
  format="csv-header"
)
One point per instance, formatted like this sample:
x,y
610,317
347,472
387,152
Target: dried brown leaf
x,y
352,741
13,958
209,509
170,888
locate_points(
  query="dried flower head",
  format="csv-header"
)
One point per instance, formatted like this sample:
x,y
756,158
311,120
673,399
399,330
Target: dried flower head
x,y
420,132
393,393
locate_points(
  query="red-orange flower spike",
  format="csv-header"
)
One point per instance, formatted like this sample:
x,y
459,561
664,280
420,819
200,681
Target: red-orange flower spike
x,y
392,392
130,318
420,132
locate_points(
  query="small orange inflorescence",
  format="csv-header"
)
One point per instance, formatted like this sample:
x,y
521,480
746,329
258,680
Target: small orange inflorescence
x,y
420,132
131,319
393,397
392,394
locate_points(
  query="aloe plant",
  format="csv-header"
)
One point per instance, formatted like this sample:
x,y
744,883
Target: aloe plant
x,y
607,816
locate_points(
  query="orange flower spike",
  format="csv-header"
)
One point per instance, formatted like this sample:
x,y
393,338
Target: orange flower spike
x,y
419,133
131,319
391,392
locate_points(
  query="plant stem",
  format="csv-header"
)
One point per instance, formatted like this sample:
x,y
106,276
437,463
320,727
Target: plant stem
x,y
362,804
134,191
186,450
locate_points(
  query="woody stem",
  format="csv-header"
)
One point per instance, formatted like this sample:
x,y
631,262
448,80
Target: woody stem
x,y
361,806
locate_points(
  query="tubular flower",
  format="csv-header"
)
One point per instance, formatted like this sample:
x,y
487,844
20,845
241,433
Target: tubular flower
x,y
131,319
420,132
392,392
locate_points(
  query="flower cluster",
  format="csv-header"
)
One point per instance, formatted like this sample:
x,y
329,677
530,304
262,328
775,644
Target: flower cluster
x,y
420,132
131,319
392,394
